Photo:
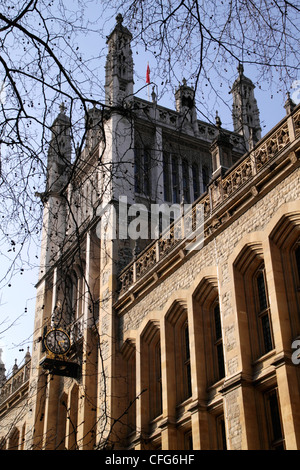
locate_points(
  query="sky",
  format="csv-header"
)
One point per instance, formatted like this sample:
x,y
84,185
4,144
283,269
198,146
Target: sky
x,y
17,297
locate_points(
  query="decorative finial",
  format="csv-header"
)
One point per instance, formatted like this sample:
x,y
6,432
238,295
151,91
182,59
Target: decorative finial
x,y
153,94
218,120
119,19
184,81
62,108
240,68
289,104
27,355
15,367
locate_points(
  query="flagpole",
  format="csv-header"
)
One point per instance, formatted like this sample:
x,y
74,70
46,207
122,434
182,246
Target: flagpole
x,y
148,80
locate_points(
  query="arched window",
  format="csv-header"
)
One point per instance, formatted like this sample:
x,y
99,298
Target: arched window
x,y
142,170
175,180
262,311
204,178
166,176
150,370
195,173
253,299
273,418
296,273
217,341
186,181
186,361
155,372
73,295
178,353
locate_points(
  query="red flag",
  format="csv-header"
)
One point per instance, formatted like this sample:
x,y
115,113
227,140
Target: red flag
x,y
148,74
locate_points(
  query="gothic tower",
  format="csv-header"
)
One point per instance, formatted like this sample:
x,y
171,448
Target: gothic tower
x,y
245,111
119,66
185,106
58,167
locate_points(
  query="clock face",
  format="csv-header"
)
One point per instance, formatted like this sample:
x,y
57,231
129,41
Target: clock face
x,y
57,341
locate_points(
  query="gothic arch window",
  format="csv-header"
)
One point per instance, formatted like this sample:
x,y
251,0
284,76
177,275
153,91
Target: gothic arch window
x,y
73,295
208,318
142,170
178,352
273,420
186,360
221,433
204,178
295,264
166,176
252,300
151,374
217,341
175,180
262,308
155,374
186,181
129,357
195,174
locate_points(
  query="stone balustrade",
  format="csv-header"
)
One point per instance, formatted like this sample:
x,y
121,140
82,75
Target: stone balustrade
x,y
15,382
220,190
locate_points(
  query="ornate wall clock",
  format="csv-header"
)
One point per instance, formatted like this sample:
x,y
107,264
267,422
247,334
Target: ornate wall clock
x,y
57,341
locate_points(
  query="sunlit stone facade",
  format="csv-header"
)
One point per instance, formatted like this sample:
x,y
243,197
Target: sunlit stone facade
x,y
171,347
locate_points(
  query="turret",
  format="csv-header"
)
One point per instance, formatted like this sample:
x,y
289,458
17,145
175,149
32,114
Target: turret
x,y
245,111
119,66
185,105
59,154
58,167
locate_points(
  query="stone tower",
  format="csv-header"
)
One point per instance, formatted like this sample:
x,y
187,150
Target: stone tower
x,y
119,66
185,106
245,111
58,166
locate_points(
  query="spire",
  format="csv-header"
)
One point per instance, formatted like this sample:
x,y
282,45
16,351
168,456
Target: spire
x,y
221,150
119,66
27,356
15,367
59,154
245,111
289,105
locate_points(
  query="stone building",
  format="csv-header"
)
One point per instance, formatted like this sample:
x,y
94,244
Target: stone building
x,y
176,337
